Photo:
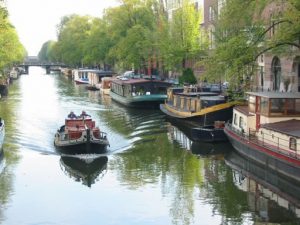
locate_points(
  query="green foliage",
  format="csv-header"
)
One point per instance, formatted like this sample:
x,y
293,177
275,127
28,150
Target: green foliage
x,y
242,34
130,36
187,77
185,34
74,32
132,26
11,50
45,52
98,44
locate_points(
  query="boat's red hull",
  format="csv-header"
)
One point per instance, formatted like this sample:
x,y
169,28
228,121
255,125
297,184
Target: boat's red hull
x,y
288,166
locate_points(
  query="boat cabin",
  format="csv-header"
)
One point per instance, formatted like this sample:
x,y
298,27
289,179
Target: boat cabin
x,y
79,123
75,127
191,100
272,117
81,75
95,77
136,87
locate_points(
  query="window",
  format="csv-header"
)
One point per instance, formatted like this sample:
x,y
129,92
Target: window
x,y
293,143
277,107
241,121
235,119
211,36
264,106
251,102
261,71
211,14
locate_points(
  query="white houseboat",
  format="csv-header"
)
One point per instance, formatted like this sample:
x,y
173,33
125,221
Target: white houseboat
x,y
268,131
80,76
96,78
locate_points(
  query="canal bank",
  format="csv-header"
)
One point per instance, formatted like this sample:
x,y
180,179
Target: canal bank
x,y
148,176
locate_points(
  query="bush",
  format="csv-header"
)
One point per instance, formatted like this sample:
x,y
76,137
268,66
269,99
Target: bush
x,y
187,77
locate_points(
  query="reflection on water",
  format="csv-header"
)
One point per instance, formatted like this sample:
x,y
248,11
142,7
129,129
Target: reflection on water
x,y
273,198
150,177
86,169
179,135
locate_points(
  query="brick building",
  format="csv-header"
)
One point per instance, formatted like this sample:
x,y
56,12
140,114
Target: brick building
x,y
277,72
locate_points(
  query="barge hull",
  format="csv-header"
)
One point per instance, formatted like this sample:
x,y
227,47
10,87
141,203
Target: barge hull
x,y
281,164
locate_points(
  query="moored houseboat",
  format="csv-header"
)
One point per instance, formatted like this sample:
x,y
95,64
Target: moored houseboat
x,y
203,108
80,135
138,92
13,74
95,78
267,131
80,76
105,85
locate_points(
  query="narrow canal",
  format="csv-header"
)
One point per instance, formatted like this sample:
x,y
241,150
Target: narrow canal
x,y
151,174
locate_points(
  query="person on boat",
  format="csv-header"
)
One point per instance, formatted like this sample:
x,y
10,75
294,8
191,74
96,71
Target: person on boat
x,y
72,115
84,114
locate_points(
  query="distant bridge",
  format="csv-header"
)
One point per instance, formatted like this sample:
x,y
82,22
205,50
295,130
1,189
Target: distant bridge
x,y
34,61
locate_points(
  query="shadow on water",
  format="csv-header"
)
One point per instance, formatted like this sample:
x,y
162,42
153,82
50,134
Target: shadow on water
x,y
180,133
274,198
87,169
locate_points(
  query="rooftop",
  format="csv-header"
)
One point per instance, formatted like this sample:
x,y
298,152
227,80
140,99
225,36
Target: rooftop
x,y
288,127
272,94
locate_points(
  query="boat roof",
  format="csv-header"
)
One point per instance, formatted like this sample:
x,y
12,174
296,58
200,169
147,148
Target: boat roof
x,y
213,98
194,94
136,81
87,70
243,109
97,71
288,127
273,94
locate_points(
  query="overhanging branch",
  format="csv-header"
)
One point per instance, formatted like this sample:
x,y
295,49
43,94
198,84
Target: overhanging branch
x,y
275,46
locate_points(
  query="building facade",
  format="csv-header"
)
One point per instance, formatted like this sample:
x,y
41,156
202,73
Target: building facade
x,y
277,72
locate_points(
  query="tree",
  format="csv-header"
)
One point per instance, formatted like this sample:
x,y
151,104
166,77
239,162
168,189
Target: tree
x,y
187,77
239,46
185,34
98,44
72,38
131,27
11,51
45,52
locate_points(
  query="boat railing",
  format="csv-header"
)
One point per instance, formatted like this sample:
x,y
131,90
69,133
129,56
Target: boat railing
x,y
103,135
269,141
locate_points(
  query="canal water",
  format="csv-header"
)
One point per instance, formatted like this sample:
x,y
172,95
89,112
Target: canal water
x,y
152,172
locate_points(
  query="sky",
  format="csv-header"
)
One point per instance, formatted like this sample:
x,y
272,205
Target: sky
x,y
36,20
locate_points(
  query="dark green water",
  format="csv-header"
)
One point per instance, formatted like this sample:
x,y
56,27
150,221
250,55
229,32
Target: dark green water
x,y
151,174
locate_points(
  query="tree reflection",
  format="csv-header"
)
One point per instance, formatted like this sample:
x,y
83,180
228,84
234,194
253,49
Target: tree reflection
x,y
8,106
178,172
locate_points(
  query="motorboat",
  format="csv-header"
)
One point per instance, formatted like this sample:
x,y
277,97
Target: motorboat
x,y
80,135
